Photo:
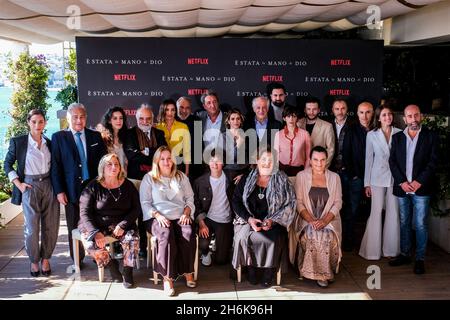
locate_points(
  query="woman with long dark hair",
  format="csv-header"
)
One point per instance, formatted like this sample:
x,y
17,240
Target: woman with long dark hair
x,y
114,133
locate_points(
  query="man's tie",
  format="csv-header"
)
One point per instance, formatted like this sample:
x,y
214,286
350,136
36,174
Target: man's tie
x,y
84,167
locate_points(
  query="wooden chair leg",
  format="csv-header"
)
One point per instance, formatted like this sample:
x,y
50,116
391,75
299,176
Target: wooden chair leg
x,y
279,276
101,274
196,260
239,274
76,254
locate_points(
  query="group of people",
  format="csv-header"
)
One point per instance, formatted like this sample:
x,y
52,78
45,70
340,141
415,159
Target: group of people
x,y
270,190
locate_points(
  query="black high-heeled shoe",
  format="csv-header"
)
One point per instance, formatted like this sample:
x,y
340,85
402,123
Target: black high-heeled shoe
x,y
46,272
34,273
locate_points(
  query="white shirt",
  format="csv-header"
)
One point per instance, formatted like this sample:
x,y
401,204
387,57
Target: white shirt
x,y
212,130
83,139
410,150
36,161
339,126
219,211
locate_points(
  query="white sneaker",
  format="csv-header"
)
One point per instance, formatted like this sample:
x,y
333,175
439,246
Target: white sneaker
x,y
206,259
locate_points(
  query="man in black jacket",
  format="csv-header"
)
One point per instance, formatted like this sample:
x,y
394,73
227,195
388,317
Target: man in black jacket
x,y
354,158
413,161
212,195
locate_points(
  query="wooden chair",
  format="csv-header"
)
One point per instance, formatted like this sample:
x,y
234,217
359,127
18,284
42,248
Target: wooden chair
x,y
239,275
76,237
151,255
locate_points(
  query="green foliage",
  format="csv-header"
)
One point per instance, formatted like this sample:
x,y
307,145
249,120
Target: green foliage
x,y
440,125
5,185
69,93
29,76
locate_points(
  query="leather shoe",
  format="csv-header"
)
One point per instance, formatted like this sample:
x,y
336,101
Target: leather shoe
x,y
399,260
267,277
46,273
34,273
419,267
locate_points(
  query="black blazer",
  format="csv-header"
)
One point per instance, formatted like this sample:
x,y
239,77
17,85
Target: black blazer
x,y
203,194
138,163
425,162
354,151
17,151
66,163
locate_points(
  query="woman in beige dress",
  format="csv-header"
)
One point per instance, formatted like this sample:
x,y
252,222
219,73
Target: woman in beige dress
x,y
316,230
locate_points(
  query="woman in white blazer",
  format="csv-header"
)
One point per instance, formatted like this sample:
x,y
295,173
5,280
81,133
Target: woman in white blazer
x,y
378,183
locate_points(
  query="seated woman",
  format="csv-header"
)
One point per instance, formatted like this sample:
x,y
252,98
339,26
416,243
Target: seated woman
x,y
109,206
316,231
264,202
167,202
176,134
293,144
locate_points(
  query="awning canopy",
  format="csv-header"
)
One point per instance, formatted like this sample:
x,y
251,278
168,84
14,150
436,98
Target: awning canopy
x,y
52,21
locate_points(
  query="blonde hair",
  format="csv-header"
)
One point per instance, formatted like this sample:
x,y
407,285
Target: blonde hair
x,y
101,167
156,173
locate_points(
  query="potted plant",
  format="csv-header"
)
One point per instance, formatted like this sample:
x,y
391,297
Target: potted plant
x,y
69,93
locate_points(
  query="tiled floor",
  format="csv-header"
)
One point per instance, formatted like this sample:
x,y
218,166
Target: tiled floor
x,y
214,282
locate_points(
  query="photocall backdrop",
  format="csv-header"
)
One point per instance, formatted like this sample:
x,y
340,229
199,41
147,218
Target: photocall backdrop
x,y
126,72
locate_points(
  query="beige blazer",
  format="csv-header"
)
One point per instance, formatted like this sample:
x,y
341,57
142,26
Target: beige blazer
x,y
303,183
322,135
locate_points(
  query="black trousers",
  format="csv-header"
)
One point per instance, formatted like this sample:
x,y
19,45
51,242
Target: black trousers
x,y
224,237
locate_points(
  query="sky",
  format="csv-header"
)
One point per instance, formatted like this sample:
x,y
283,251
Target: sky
x,y
6,46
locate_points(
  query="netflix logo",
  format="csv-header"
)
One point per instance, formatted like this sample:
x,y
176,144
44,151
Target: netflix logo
x,y
196,91
339,92
130,112
272,78
341,62
197,60
124,77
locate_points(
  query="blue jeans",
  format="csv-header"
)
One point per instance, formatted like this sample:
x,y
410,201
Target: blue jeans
x,y
352,190
417,206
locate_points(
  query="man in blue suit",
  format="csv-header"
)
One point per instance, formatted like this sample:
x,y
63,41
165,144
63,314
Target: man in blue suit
x,y
76,153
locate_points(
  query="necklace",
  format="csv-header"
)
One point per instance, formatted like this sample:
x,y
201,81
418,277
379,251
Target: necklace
x,y
112,195
261,193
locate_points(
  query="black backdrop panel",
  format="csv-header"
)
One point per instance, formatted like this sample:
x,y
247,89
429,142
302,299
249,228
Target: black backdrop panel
x,y
129,71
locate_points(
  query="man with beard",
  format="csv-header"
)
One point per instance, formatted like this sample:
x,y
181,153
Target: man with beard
x,y
413,161
321,131
354,159
277,93
141,144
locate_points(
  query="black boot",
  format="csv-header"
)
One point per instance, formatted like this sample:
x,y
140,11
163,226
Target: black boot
x,y
128,281
114,270
267,277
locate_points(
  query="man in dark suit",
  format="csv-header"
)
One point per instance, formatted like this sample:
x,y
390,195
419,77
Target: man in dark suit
x,y
354,159
263,126
76,153
413,162
277,95
141,144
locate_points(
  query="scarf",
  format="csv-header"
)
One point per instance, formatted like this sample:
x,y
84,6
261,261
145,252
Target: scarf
x,y
280,197
143,139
